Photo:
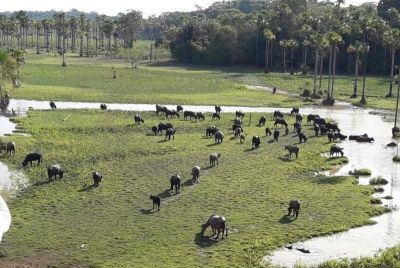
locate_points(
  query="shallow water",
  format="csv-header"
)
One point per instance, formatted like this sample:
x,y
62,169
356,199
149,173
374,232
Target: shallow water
x,y
375,156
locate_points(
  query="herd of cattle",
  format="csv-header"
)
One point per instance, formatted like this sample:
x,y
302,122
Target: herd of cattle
x,y
218,223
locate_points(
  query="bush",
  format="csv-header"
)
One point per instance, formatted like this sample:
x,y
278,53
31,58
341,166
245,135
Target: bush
x,y
379,189
375,201
360,172
396,158
378,181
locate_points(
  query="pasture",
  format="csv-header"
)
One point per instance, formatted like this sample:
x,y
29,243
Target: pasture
x,y
68,223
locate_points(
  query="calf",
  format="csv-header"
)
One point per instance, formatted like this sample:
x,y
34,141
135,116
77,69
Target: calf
x,y
216,116
200,116
262,120
218,136
103,106
292,149
138,119
156,201
97,176
302,137
54,170
179,108
299,118
214,158
170,132
210,131
53,105
294,206
255,143
267,132
195,174
239,114
276,135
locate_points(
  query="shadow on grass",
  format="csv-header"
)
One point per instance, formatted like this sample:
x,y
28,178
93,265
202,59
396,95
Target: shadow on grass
x,y
286,158
286,219
212,144
165,194
271,141
40,183
187,183
87,188
148,211
204,241
208,167
248,150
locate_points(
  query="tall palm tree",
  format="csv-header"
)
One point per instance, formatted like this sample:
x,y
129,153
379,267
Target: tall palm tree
x,y
7,72
268,36
357,48
391,39
365,50
82,31
334,39
284,44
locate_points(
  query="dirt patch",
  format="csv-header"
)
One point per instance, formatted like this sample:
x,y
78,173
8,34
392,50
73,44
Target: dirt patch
x,y
32,262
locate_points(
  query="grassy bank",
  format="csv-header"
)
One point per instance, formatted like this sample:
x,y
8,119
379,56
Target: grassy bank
x,y
65,222
89,79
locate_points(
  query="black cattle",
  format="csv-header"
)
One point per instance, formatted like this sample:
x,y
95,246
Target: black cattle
x,y
54,170
138,119
237,121
97,176
156,201
190,114
171,113
237,132
218,136
163,126
294,206
299,118
365,139
160,109
319,121
335,150
323,130
154,129
331,137
296,127
216,116
276,135
355,137
316,130
340,136
175,181
235,126
103,106
218,109
179,108
211,131
9,147
200,116
195,174
292,149
311,118
267,132
170,132
294,111
280,121
53,105
214,159
332,127
262,120
32,157
302,137
239,114
255,142
277,114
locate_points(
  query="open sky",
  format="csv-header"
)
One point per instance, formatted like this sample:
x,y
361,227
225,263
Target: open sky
x,y
148,7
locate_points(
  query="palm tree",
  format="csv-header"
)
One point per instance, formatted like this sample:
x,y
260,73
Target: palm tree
x,y
82,28
292,44
357,48
334,39
269,36
392,40
7,72
365,50
284,44
38,26
318,42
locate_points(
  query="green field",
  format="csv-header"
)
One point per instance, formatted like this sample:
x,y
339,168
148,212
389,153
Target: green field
x,y
89,79
67,223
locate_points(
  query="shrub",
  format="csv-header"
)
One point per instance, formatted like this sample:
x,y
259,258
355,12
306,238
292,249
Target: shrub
x,y
396,158
375,201
378,181
361,172
378,189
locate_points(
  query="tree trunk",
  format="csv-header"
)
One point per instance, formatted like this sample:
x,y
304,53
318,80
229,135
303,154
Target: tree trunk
x,y
81,46
315,73
356,76
393,55
291,61
284,60
266,57
363,100
321,67
329,72
37,41
271,53
333,69
305,60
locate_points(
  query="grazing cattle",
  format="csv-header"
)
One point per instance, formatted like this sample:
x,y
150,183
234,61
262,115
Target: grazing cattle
x,y
237,121
294,206
55,170
211,131
365,139
200,116
255,142
355,137
237,132
10,148
239,114
103,106
333,127
53,105
214,158
302,137
280,121
97,176
339,136
311,118
163,126
235,126
319,121
218,109
138,119
294,111
170,132
175,181
190,114
335,150
296,127
331,137
156,201
195,174
276,135
218,136
218,224
323,130
216,116
179,108
242,138
262,120
299,118
154,129
160,109
277,114
32,157
292,149
316,130
267,132
171,113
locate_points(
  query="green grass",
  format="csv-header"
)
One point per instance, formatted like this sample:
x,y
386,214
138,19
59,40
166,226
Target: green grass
x,y
115,223
90,80
361,172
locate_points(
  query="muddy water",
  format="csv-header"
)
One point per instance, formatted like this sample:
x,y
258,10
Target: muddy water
x,y
375,156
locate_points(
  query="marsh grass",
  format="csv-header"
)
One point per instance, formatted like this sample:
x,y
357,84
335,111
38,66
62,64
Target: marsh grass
x,y
115,222
378,181
361,172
